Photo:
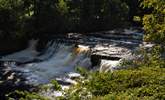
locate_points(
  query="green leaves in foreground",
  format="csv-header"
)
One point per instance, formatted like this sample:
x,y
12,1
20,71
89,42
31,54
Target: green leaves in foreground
x,y
144,83
56,86
25,95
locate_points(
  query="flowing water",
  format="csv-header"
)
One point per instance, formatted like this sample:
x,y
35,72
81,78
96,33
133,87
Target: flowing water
x,y
58,60
25,55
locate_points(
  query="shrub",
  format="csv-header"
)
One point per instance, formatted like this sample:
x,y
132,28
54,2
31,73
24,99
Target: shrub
x,y
144,83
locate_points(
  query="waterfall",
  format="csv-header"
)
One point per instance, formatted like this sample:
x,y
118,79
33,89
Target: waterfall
x,y
61,59
25,55
51,48
58,60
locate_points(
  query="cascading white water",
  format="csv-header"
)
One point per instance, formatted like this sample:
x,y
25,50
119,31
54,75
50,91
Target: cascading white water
x,y
25,55
51,48
58,60
108,65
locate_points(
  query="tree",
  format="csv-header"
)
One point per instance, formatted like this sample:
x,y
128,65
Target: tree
x,y
154,23
14,16
102,14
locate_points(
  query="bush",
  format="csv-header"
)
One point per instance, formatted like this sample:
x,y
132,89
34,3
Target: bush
x,y
144,83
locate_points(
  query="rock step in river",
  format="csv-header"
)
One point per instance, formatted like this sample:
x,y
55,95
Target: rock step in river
x,y
61,56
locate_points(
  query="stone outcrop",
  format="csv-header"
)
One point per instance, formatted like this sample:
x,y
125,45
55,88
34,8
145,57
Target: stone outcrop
x,y
103,50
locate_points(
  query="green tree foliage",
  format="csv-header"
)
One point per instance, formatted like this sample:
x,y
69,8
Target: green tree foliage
x,y
105,14
40,17
62,7
14,17
134,8
154,23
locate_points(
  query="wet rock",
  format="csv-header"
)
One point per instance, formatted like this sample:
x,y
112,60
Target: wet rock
x,y
95,60
60,57
66,81
74,75
11,81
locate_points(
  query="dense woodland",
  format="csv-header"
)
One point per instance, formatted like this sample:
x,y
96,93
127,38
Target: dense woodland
x,y
34,18
21,20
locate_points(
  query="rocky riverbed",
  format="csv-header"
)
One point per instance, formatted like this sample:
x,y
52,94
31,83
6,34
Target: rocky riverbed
x,y
60,57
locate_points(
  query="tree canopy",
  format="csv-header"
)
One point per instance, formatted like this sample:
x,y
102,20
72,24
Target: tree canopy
x,y
154,23
36,17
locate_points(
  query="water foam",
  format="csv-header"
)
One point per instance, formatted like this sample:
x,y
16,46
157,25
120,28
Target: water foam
x,y
58,61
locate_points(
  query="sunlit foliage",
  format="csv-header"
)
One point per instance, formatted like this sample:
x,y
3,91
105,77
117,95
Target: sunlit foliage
x,y
154,23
